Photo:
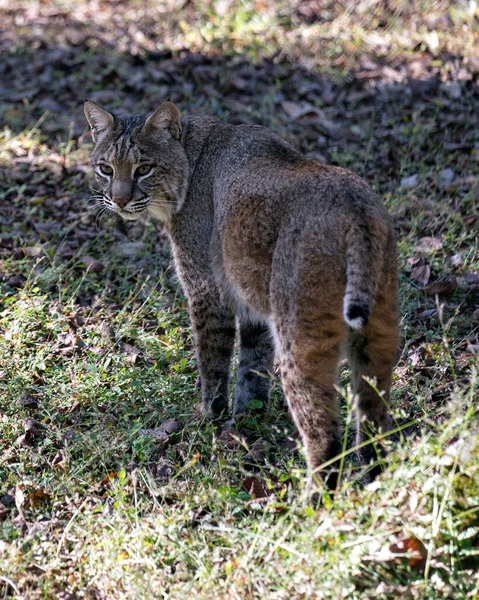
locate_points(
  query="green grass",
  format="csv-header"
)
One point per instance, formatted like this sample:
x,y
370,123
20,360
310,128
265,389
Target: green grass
x,y
112,484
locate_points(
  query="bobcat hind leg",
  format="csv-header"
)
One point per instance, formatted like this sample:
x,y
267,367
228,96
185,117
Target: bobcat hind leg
x,y
372,356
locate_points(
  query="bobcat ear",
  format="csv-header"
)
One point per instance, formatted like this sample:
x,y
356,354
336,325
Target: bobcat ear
x,y
99,119
166,116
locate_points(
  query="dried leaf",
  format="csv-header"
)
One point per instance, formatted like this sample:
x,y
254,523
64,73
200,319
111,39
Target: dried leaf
x,y
255,488
423,87
196,515
417,553
36,498
429,245
456,259
231,438
27,400
132,352
60,460
442,287
405,548
33,251
106,480
170,426
16,281
19,497
426,314
92,264
421,274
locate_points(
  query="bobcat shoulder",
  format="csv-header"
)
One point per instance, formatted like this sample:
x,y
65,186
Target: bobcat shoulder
x,y
297,257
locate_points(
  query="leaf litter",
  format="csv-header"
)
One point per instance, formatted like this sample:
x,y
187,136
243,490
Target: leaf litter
x,y
403,120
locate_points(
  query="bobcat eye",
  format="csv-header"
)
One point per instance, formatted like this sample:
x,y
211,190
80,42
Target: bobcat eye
x,y
106,169
143,170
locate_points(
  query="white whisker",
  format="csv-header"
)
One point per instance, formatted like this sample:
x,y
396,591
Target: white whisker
x,y
98,218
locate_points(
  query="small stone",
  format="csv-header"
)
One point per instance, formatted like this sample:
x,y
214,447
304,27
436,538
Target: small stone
x,y
453,90
408,183
457,259
163,470
446,177
7,500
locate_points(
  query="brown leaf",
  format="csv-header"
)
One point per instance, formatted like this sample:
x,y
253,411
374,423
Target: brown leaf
x,y
24,440
423,87
254,457
60,460
27,400
426,314
106,480
33,251
31,426
92,264
421,274
132,352
157,434
231,438
429,245
404,548
417,553
107,330
416,261
31,431
170,426
76,404
442,287
196,515
36,498
255,488
297,110
16,281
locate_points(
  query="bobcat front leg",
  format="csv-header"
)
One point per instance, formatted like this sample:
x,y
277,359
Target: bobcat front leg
x,y
214,331
255,362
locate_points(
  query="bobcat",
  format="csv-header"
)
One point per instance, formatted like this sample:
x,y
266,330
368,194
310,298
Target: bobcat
x,y
298,256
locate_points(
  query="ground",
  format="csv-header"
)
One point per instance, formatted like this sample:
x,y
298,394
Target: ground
x,y
112,485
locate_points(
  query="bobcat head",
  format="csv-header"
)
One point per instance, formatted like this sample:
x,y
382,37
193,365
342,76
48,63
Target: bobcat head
x,y
139,162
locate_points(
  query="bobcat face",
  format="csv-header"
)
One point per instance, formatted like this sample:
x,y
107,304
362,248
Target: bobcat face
x,y
140,165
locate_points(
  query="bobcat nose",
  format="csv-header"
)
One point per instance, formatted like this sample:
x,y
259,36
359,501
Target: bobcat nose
x,y
121,191
121,202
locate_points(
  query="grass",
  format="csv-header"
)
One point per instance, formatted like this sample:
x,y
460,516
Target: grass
x,y
112,485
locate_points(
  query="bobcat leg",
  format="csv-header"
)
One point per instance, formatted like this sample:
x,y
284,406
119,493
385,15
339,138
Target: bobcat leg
x,y
308,371
214,332
256,354
373,353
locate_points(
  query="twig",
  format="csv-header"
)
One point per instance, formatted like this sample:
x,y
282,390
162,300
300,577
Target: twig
x,y
11,584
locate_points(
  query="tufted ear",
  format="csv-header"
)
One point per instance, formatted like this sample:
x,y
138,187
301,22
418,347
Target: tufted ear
x,y
166,116
99,119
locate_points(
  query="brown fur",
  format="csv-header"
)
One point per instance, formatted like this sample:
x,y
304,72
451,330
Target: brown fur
x,y
297,252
